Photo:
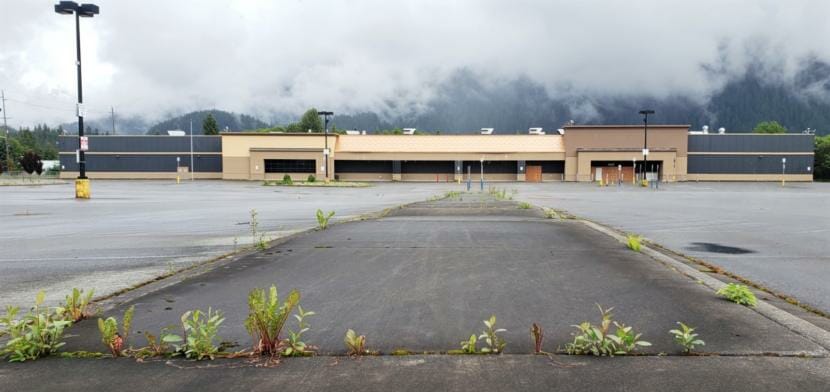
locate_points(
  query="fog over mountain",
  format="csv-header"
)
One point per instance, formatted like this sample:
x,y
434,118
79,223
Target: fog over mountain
x,y
448,65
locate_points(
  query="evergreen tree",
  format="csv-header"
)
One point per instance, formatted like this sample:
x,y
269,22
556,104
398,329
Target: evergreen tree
x,y
209,126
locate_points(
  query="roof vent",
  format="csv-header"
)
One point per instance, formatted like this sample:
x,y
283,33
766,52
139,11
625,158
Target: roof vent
x,y
409,131
560,131
487,131
536,131
705,129
721,130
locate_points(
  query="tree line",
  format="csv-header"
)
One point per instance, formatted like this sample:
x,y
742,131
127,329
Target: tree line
x,y
28,147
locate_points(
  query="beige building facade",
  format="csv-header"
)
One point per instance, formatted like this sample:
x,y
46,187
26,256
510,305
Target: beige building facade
x,y
582,153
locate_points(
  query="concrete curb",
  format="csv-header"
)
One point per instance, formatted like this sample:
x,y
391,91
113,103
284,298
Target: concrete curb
x,y
800,326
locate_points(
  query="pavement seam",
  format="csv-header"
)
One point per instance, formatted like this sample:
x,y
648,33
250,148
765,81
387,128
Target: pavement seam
x,y
793,323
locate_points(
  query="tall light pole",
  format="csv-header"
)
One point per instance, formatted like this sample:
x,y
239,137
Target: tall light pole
x,y
8,139
326,151
192,169
86,11
645,114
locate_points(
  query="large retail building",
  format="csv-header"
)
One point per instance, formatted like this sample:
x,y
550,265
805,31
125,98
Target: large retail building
x,y
579,153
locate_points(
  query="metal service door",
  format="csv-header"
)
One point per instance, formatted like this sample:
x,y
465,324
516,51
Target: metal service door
x,y
533,174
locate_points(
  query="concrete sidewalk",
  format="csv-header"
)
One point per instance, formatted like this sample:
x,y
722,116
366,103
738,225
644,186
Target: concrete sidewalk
x,y
427,373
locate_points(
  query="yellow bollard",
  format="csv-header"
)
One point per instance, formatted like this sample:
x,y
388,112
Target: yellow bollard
x,y
82,188
178,179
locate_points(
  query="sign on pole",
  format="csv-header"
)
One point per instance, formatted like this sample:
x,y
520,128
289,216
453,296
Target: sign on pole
x,y
84,143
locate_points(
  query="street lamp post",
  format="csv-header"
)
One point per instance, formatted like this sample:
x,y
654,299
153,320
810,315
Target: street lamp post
x,y
645,114
86,11
326,132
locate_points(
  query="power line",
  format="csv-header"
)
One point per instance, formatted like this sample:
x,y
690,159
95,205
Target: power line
x,y
69,108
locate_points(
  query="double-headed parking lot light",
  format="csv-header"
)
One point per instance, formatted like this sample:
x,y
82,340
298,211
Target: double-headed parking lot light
x,y
80,11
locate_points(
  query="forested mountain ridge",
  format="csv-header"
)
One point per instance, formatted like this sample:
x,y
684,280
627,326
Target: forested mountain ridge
x,y
466,102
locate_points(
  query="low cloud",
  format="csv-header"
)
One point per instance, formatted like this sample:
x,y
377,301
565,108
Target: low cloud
x,y
157,58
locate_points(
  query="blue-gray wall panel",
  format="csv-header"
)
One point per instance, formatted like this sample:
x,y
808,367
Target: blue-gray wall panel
x,y
142,163
748,164
751,143
147,144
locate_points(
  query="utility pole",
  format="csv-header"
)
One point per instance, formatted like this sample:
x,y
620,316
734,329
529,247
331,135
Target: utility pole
x,y
6,127
191,149
112,113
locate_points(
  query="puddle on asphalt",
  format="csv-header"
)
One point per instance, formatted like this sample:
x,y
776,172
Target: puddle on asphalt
x,y
717,248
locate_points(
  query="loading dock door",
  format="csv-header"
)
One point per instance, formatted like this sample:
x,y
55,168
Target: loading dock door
x,y
533,174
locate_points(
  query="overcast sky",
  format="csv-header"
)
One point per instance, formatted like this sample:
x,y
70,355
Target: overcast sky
x,y
157,58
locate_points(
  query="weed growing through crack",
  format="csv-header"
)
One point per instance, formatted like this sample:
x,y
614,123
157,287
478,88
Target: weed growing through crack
x,y
77,305
452,195
200,331
499,194
739,294
538,336
267,317
598,340
524,205
490,337
550,213
355,344
257,239
110,336
157,346
686,338
468,346
323,219
495,343
37,334
634,242
295,346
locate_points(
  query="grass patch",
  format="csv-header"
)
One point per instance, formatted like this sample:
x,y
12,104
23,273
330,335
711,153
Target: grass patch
x,y
634,242
524,205
739,294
